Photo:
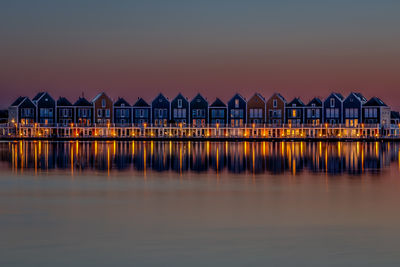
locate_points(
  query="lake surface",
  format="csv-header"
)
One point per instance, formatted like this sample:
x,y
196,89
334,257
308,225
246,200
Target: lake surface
x,y
199,204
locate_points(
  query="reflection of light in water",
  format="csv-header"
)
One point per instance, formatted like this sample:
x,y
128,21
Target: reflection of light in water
x,y
338,157
108,160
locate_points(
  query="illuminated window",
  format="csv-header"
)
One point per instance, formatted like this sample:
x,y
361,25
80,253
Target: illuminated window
x,y
294,113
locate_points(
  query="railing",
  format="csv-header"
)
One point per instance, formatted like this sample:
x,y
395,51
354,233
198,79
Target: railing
x,y
255,131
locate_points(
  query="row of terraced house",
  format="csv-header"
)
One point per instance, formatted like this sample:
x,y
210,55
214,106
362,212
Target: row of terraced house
x,y
351,111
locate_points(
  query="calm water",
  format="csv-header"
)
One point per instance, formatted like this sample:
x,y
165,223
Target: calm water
x,y
199,204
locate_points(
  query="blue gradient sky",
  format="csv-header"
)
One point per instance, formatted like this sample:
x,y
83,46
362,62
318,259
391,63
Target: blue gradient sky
x,y
139,48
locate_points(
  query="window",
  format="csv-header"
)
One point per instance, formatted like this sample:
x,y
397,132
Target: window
x,y
336,113
317,113
275,103
107,113
309,113
160,113
328,112
99,113
347,113
236,103
366,113
103,103
179,103
332,102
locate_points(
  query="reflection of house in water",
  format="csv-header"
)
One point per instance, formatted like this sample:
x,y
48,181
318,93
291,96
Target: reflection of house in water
x,y
334,158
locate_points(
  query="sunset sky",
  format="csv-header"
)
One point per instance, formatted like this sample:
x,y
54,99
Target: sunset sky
x,y
140,48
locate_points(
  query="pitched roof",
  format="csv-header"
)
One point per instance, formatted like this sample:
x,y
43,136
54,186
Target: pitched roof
x,y
258,95
279,96
99,95
160,95
316,101
375,102
18,101
218,104
37,96
361,97
180,96
296,101
237,95
337,95
141,103
199,96
121,102
82,102
62,101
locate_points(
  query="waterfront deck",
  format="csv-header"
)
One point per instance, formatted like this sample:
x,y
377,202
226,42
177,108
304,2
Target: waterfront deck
x,y
255,132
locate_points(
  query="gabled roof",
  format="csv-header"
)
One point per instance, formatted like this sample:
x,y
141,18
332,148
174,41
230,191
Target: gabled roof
x,y
18,101
198,96
279,96
121,102
296,101
82,102
316,101
160,95
99,95
218,104
337,95
257,95
394,115
360,96
141,103
237,95
375,102
180,96
38,96
63,102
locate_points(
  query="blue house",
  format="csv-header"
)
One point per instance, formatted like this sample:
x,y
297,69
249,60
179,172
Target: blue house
x,y
294,111
180,110
199,111
237,111
352,109
83,112
65,112
313,112
22,110
333,109
122,112
45,108
217,113
141,113
160,111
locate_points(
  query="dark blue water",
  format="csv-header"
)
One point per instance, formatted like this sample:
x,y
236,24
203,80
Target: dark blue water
x,y
199,204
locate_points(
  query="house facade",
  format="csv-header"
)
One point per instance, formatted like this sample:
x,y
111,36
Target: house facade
x,y
45,108
352,109
295,112
160,111
83,112
375,111
180,110
313,112
256,110
65,112
217,113
122,112
103,109
199,111
141,113
22,110
237,111
275,109
333,109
